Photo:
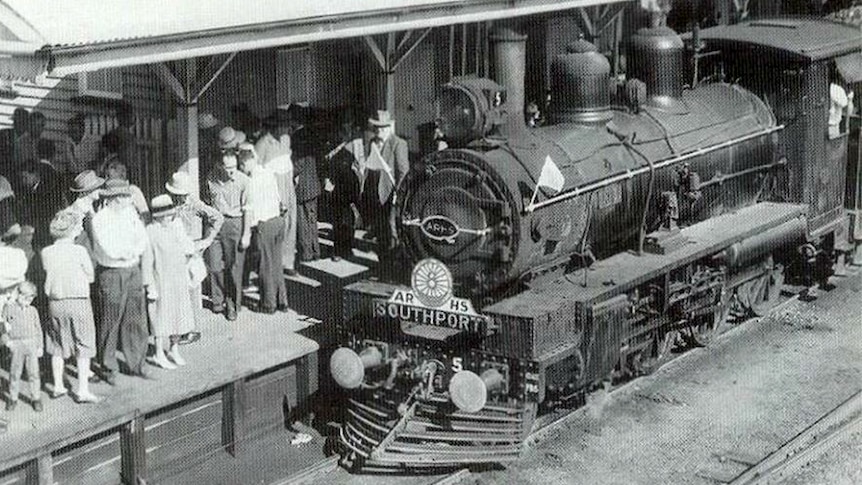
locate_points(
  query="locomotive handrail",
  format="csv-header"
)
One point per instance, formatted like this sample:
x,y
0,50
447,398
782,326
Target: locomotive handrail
x,y
655,166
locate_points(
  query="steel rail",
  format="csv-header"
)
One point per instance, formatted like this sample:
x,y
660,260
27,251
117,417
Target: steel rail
x,y
812,442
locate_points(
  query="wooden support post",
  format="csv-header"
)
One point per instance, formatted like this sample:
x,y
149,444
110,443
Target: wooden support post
x,y
389,71
41,471
187,122
133,452
233,416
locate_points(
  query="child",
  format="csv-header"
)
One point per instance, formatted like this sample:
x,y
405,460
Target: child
x,y
166,278
23,337
71,329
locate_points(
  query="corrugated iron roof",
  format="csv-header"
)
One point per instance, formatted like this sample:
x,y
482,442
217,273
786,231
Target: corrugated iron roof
x,y
85,35
808,39
80,22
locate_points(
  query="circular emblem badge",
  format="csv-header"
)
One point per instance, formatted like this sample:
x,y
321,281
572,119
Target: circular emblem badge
x,y
431,282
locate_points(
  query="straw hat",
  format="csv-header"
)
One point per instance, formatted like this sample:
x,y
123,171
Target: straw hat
x,y
86,181
381,118
179,184
66,223
230,138
162,205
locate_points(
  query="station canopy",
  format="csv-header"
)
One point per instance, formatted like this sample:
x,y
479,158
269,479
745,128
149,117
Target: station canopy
x,y
61,37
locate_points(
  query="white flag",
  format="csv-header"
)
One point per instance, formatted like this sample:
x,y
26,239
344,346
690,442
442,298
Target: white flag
x,y
375,162
551,177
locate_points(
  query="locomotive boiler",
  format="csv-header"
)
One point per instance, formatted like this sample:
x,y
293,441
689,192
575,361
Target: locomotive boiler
x,y
549,260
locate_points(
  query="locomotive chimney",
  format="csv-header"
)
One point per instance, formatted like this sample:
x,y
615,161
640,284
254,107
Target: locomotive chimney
x,y
657,57
510,65
580,81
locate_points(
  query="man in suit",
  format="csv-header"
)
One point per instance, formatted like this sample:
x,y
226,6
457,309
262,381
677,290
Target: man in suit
x,y
395,164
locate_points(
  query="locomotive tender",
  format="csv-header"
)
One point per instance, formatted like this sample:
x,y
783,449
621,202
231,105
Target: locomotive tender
x,y
552,259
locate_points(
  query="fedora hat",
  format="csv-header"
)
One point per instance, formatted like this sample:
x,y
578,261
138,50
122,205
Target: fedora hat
x,y
86,181
179,184
207,121
381,118
116,188
230,138
66,223
162,205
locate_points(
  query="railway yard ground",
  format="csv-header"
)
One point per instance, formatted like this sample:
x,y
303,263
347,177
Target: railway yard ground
x,y
706,417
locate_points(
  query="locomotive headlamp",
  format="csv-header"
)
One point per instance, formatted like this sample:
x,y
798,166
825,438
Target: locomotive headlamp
x,y
468,108
348,368
469,392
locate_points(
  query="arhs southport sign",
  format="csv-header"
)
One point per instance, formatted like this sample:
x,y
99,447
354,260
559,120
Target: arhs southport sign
x,y
430,301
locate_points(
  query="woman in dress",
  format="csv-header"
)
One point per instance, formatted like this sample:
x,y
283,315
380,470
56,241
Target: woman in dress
x,y
167,281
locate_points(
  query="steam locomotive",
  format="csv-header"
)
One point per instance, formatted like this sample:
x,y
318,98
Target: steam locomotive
x,y
551,259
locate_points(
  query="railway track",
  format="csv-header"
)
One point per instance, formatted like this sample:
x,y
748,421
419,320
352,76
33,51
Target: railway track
x,y
802,449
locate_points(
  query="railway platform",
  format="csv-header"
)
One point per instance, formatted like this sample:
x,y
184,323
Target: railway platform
x,y
243,378
230,414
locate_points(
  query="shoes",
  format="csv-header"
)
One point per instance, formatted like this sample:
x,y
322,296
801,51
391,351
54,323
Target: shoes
x,y
87,398
267,311
291,272
230,314
189,338
142,374
59,392
336,258
283,308
109,377
37,406
162,362
10,405
217,309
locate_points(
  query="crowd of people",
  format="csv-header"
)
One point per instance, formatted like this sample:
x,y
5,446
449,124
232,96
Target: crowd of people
x,y
89,268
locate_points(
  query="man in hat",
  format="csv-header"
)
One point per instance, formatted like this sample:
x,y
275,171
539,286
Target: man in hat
x,y
263,206
274,152
225,190
85,188
119,242
387,157
202,224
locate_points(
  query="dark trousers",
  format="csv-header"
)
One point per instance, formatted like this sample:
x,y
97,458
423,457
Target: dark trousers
x,y
308,247
269,237
225,265
121,294
342,231
383,224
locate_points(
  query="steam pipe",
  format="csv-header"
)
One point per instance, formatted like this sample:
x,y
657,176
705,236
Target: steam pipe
x,y
660,164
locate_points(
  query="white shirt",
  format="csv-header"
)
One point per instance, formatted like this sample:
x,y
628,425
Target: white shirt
x,y
13,266
262,198
275,154
119,236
